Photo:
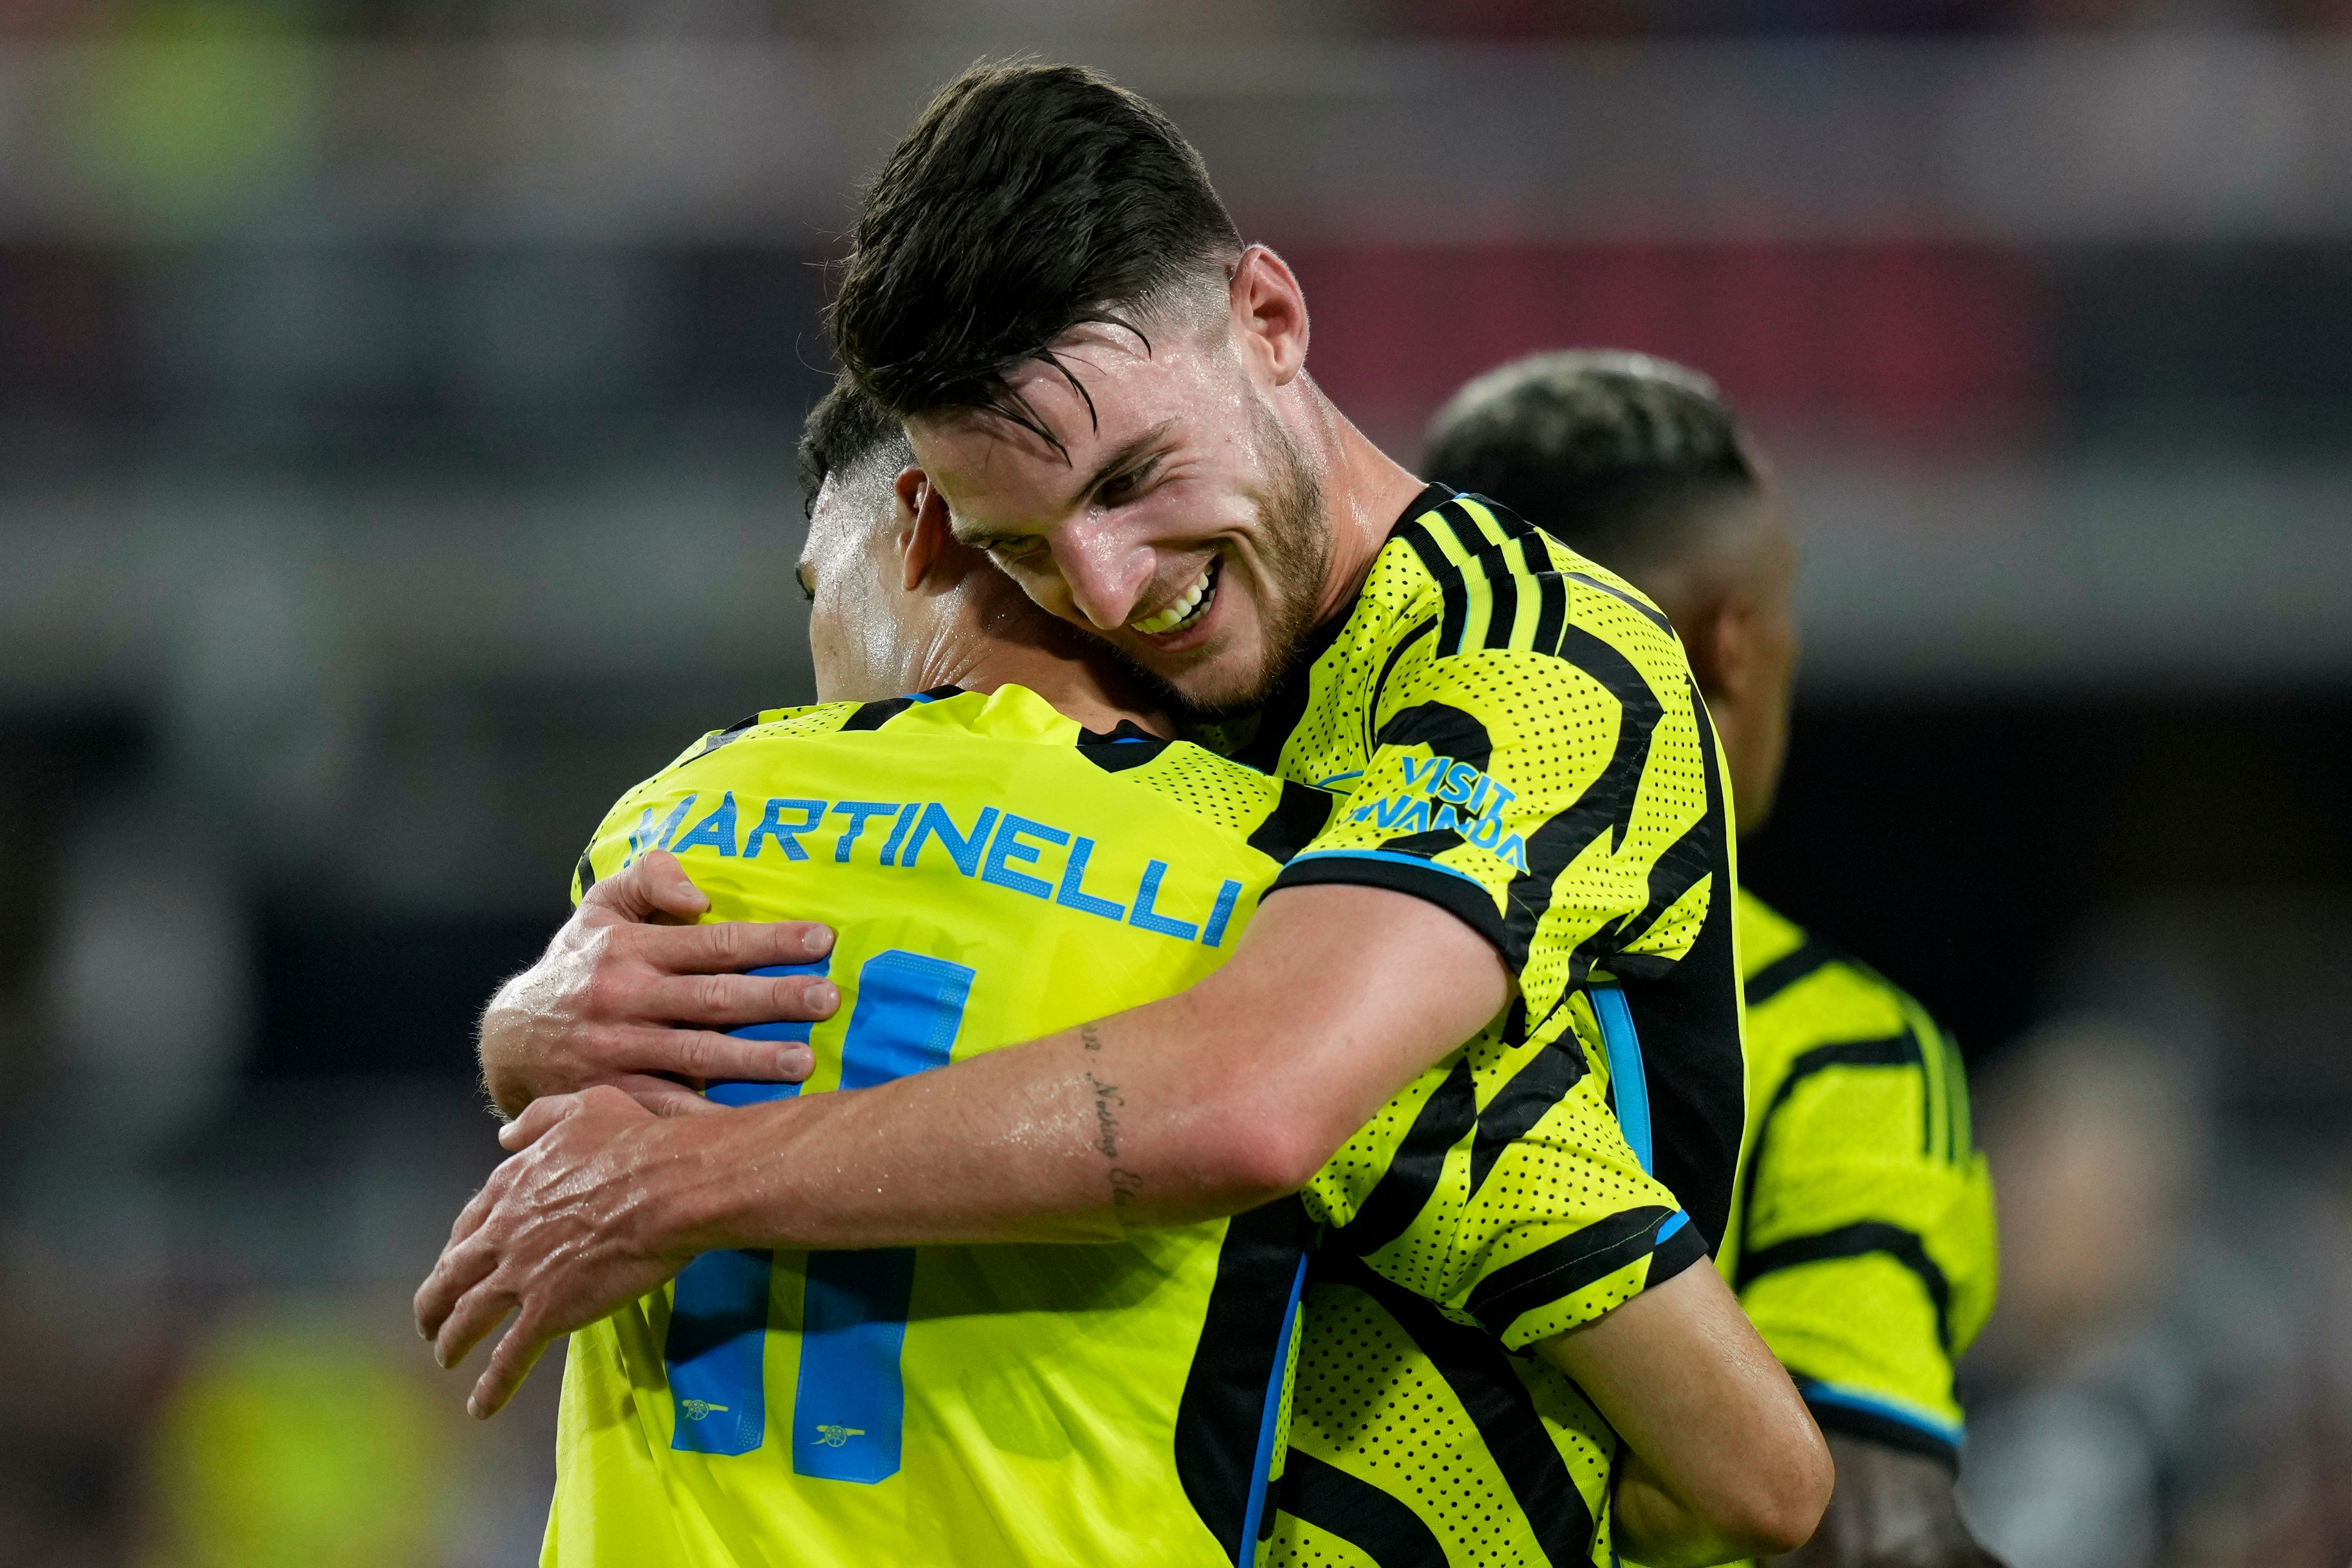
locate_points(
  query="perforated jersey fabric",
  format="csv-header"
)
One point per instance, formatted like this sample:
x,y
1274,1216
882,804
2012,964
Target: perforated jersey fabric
x,y
1516,737
1864,1242
1120,1403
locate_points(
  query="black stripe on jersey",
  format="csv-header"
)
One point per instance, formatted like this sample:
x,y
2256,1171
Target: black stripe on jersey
x,y
1572,1262
719,737
1654,616
1466,901
1606,804
1415,1166
1521,1103
1118,755
1224,1403
1303,812
1871,1428
1894,1051
1679,866
874,715
1478,1370
1388,667
1789,969
1446,730
586,873
1858,1241
1688,1020
1536,568
1357,1512
1415,533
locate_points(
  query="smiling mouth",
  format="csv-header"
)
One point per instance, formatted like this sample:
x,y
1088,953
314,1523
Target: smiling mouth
x,y
1186,610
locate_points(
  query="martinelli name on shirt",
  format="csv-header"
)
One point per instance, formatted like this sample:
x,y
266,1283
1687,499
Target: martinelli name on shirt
x,y
995,849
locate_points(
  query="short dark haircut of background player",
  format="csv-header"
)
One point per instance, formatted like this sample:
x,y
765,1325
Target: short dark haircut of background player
x,y
1026,200
844,430
1616,454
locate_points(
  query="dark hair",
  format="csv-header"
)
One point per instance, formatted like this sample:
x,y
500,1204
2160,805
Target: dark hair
x,y
1613,454
842,432
1024,201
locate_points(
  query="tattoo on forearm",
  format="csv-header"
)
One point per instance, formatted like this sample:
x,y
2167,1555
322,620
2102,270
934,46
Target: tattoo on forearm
x,y
1090,1036
1107,1097
1124,1184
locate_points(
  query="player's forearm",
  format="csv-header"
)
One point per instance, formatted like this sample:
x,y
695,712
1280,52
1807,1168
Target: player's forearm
x,y
1061,1140
1729,1462
1205,1103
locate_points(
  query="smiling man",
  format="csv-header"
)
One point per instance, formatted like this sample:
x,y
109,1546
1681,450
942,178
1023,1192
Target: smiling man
x,y
1530,854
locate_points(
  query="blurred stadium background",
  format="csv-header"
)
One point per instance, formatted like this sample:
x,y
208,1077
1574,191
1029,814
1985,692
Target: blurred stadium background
x,y
396,408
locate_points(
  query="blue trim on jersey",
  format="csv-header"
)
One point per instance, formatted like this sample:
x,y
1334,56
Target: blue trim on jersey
x,y
849,1408
1338,778
1674,1222
1262,1471
719,1314
920,697
1628,1080
1386,855
1843,1396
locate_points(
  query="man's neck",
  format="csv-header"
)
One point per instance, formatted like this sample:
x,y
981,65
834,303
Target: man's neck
x,y
1099,698
1364,491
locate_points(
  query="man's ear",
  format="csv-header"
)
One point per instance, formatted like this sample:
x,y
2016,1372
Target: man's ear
x,y
1715,631
923,534
1270,309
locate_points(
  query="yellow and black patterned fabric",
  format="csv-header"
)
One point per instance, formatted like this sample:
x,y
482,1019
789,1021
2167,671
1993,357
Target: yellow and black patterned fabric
x,y
1515,739
1862,1243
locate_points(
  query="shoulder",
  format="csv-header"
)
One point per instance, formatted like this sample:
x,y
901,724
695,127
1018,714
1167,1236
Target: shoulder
x,y
1483,577
1803,991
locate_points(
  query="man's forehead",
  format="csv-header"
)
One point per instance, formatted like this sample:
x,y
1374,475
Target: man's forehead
x,y
1102,392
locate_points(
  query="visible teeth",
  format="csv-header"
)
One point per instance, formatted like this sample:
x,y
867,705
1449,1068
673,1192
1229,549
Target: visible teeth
x,y
1183,608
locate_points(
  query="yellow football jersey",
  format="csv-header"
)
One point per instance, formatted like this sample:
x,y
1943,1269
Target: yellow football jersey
x,y
1863,1245
1517,739
1080,1405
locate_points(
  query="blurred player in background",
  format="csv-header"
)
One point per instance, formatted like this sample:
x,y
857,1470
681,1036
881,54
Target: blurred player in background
x,y
1861,1243
1016,1404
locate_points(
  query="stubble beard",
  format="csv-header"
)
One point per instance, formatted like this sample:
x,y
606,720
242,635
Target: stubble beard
x,y
1295,547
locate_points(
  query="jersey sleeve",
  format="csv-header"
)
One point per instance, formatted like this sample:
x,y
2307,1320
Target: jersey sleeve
x,y
1500,1188
1867,1259
1538,763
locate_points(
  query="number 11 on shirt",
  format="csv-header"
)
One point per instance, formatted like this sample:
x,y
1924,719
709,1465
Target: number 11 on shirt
x,y
850,1404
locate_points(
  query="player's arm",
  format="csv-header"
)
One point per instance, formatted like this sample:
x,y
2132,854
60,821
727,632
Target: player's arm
x,y
1205,1103
1724,1460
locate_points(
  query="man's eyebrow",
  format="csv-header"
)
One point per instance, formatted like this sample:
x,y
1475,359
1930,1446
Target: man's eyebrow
x,y
985,538
1126,454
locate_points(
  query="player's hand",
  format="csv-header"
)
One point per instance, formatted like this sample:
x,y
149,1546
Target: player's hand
x,y
631,993
561,1235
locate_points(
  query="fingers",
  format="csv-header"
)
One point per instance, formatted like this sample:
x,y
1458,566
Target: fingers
x,y
535,1122
510,1362
463,1265
733,1001
705,1055
652,886
731,946
666,1097
473,1315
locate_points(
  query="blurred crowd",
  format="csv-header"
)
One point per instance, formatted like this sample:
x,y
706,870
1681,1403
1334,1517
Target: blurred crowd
x,y
368,533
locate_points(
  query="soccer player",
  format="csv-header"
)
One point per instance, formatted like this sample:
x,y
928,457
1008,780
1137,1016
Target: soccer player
x,y
1862,1244
1107,390
1129,1407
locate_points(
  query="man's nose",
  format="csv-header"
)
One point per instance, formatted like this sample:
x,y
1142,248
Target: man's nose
x,y
1107,568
